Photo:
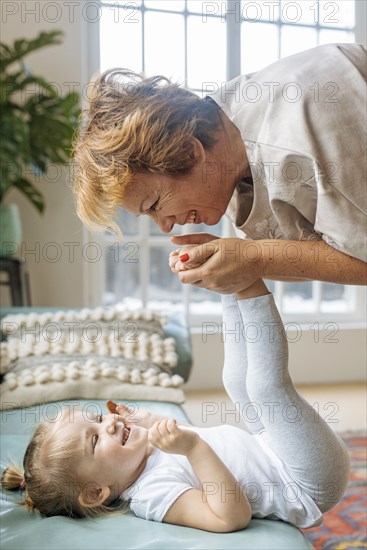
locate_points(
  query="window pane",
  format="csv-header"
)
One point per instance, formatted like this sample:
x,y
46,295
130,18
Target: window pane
x,y
331,37
125,3
298,298
270,285
214,7
259,10
173,5
259,46
128,223
122,272
334,298
120,39
206,56
299,12
200,295
339,13
165,45
163,284
297,39
216,229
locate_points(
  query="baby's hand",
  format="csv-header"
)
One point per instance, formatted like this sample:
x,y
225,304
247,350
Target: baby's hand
x,y
174,259
168,437
132,415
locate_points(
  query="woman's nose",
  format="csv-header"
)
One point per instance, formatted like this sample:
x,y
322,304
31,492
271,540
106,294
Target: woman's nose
x,y
166,224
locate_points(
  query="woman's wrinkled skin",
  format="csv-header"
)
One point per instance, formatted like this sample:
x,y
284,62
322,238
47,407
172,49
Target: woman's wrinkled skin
x,y
207,189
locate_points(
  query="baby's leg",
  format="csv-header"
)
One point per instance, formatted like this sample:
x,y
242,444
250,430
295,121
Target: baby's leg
x,y
235,364
313,453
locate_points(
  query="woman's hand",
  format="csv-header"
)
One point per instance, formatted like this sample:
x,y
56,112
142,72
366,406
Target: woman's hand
x,y
193,238
168,437
225,265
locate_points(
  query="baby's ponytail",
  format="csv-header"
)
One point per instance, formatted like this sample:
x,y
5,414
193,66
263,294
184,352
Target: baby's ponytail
x,y
12,478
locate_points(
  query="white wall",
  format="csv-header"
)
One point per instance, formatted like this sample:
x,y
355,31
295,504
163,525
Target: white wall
x,y
53,283
341,360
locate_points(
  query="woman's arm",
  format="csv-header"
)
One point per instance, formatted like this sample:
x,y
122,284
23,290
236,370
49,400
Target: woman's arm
x,y
230,265
310,260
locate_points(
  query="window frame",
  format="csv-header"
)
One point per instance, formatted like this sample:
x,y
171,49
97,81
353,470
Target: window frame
x,y
94,273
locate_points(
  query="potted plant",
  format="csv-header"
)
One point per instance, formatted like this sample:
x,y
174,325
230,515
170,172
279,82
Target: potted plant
x,y
36,128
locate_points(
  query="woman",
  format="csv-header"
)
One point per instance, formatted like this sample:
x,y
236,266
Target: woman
x,y
282,152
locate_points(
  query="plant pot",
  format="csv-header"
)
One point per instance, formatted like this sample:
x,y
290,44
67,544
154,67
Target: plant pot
x,y
10,230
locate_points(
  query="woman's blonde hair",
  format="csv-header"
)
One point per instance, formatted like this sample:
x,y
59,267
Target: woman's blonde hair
x,y
134,124
51,486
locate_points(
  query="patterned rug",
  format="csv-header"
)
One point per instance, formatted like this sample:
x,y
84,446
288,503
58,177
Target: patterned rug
x,y
345,526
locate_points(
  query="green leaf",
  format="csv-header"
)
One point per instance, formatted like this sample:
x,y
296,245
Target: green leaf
x,y
31,192
42,84
8,85
23,47
36,125
14,129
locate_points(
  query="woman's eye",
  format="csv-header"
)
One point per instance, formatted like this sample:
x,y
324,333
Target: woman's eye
x,y
100,418
94,441
154,206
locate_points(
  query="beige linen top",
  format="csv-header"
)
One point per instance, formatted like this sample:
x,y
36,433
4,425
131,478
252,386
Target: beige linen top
x,y
303,123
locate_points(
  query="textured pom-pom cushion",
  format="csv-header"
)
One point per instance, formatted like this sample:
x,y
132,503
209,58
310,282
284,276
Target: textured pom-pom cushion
x,y
92,353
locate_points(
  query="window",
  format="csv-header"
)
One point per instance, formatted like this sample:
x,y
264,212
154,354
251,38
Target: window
x,y
195,43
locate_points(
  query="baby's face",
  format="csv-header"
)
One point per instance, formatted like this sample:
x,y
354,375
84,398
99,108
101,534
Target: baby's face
x,y
113,451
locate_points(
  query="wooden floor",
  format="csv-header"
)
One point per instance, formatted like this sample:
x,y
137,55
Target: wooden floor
x,y
344,406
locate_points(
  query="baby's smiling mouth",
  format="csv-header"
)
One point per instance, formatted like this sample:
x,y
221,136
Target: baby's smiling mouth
x,y
125,434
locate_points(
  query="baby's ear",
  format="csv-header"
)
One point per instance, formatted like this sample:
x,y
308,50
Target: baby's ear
x,y
91,495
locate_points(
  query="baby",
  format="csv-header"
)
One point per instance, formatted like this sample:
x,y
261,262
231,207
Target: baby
x,y
289,466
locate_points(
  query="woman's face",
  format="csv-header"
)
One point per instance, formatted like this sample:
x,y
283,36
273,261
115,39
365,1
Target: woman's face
x,y
199,197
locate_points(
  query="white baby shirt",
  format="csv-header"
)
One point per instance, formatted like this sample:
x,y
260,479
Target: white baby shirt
x,y
260,473
303,123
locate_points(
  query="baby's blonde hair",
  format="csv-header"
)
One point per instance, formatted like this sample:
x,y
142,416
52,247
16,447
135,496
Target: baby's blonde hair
x,y
134,124
51,486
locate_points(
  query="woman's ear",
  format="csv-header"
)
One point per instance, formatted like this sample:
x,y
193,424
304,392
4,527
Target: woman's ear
x,y
198,149
91,495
